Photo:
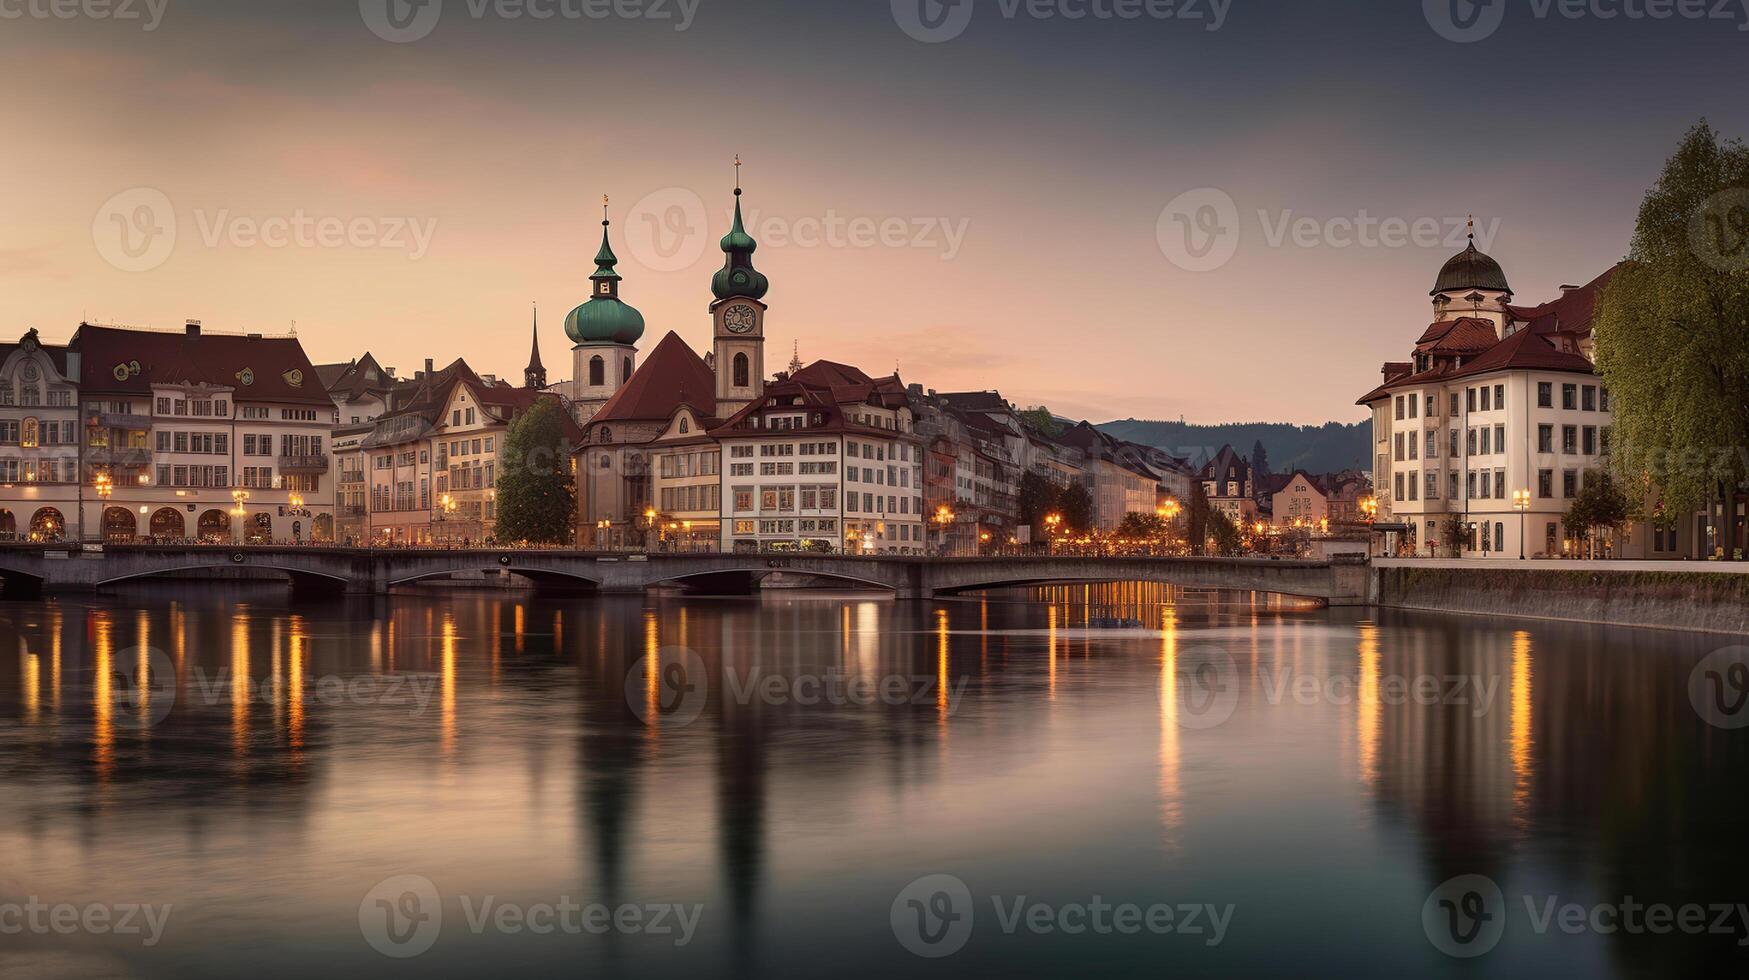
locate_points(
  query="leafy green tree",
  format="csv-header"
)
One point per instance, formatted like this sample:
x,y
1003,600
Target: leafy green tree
x,y
1223,535
1142,526
1600,506
536,494
1197,519
1672,329
1076,506
1041,420
1038,497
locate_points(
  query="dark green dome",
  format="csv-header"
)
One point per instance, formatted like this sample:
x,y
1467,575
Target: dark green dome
x,y
737,277
604,319
1470,269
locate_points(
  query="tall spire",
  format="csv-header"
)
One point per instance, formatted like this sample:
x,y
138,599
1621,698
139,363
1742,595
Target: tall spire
x,y
535,375
738,277
605,260
795,359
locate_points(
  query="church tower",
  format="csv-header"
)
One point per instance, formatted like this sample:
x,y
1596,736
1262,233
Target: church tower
x,y
605,332
738,318
1471,284
535,375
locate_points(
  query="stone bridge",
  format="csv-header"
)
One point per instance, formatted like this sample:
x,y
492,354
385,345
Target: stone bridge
x,y
30,569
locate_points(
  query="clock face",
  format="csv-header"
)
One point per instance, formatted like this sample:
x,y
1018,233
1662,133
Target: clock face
x,y
739,319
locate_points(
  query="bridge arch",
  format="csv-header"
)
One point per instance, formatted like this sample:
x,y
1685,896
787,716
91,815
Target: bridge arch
x,y
758,573
300,577
538,574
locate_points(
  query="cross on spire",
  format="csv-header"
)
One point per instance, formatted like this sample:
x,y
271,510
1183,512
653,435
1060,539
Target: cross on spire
x,y
604,219
1472,227
737,175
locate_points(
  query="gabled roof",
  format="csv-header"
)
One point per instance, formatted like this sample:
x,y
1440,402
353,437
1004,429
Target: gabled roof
x,y
276,367
1278,482
975,401
1571,313
1464,335
1525,350
356,378
671,376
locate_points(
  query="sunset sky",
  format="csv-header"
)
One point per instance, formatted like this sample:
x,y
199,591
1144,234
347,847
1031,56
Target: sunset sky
x,y
1052,145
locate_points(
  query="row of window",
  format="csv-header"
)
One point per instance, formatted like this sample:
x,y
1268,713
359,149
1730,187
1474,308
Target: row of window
x,y
784,500
1482,485
692,498
1588,440
30,433
1489,398
30,396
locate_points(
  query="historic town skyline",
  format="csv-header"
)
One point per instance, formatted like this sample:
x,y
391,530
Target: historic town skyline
x,y
959,175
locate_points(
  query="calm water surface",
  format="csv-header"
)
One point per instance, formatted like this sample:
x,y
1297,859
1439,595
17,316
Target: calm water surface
x,y
1310,775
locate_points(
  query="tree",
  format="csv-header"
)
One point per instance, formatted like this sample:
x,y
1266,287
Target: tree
x,y
1076,506
536,496
1197,519
1141,527
1038,497
1672,329
1223,534
1041,420
1600,506
1259,463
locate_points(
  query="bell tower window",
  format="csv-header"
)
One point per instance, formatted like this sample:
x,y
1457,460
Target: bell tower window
x,y
597,371
741,373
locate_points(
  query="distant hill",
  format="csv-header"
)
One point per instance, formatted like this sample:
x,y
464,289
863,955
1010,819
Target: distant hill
x,y
1326,448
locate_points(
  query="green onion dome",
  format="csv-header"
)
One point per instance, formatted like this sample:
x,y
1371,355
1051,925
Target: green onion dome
x,y
604,319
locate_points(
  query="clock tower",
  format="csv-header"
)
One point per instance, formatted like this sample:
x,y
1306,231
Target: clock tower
x,y
738,318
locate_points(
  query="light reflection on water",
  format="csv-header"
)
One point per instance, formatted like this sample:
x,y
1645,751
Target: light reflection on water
x,y
489,742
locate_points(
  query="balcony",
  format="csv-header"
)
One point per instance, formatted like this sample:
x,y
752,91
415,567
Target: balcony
x,y
119,420
303,464
105,456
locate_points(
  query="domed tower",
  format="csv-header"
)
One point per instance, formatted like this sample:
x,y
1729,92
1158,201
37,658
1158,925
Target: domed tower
x,y
605,333
738,318
1471,284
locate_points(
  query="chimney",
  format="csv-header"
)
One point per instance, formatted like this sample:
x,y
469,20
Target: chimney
x,y
193,328
1567,289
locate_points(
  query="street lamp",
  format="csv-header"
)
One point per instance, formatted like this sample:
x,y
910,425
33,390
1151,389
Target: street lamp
x,y
1521,503
1052,523
944,517
1369,505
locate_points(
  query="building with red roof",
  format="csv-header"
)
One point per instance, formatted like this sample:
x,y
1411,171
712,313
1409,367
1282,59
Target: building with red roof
x,y
1483,438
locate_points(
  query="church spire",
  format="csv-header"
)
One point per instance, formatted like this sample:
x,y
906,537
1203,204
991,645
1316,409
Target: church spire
x,y
603,319
795,359
738,277
605,260
535,375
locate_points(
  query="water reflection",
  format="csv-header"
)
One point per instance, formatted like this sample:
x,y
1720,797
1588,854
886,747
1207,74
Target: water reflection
x,y
299,765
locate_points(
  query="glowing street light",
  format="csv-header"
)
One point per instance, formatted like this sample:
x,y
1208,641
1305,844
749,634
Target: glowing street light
x,y
1521,503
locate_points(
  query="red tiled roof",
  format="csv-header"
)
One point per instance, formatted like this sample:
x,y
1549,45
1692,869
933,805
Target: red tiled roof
x,y
1571,313
273,364
1465,335
1525,350
671,376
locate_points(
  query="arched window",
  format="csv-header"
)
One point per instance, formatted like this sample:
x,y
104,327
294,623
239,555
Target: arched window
x,y
625,371
27,434
597,371
685,427
741,371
